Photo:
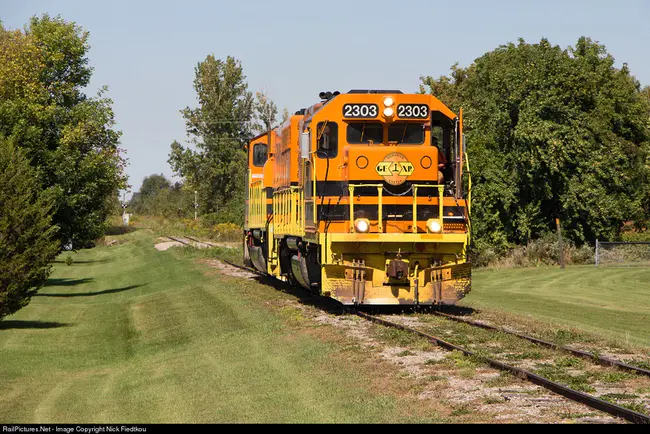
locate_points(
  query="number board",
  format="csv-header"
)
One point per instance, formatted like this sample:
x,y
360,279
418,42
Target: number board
x,y
360,111
418,111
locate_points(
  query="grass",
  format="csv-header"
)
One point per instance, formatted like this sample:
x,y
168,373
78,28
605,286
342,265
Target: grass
x,y
128,334
613,303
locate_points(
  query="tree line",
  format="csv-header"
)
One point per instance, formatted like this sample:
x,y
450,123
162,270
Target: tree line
x,y
60,164
552,134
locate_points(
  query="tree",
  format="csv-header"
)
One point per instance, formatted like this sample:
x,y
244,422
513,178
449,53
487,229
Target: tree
x,y
66,134
551,133
285,115
265,113
27,235
157,196
219,128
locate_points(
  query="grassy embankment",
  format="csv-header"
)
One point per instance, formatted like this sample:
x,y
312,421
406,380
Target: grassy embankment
x,y
131,334
610,302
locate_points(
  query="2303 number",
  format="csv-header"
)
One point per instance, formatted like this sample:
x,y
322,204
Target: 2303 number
x,y
413,111
360,110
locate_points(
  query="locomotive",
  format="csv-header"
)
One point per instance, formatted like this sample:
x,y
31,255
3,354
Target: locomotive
x,y
360,198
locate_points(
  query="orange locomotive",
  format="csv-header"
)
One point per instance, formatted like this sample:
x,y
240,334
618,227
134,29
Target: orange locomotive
x,y
359,198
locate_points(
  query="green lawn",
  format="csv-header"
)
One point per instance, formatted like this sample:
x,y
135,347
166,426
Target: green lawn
x,y
131,334
611,302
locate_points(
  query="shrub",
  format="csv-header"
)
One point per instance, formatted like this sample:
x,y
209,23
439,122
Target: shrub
x,y
27,244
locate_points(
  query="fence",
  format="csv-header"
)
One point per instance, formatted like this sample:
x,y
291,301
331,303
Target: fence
x,y
631,253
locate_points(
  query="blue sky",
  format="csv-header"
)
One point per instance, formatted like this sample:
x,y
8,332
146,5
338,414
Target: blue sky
x,y
146,51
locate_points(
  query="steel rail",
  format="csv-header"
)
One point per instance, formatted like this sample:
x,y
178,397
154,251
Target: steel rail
x,y
605,361
201,242
189,238
574,395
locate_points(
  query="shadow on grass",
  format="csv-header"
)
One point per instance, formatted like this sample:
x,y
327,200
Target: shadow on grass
x,y
303,296
96,261
119,230
18,324
91,294
68,282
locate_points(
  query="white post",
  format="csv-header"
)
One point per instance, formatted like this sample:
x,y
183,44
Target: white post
x,y
196,205
596,260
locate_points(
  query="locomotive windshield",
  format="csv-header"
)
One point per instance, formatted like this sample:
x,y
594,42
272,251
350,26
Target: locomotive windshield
x,y
364,132
406,133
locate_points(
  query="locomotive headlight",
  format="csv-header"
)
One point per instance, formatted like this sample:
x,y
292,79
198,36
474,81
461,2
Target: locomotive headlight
x,y
434,226
388,112
388,101
361,225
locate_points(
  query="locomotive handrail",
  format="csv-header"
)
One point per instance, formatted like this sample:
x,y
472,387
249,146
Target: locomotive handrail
x,y
380,189
288,206
257,204
415,203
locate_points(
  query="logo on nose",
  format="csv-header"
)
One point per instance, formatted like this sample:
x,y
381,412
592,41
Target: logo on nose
x,y
395,168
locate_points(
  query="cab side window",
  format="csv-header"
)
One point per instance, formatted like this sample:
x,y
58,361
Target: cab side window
x,y
260,154
328,139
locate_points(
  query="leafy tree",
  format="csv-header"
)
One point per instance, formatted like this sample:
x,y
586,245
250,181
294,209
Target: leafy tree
x,y
66,134
265,113
552,133
27,236
157,196
285,115
219,128
152,184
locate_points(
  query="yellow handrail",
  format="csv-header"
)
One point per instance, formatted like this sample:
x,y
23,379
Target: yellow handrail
x,y
289,211
441,189
380,187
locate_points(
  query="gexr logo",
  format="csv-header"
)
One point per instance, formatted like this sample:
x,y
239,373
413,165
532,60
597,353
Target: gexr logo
x,y
395,168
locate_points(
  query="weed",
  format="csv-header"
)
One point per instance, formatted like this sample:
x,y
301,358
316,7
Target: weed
x,y
503,379
613,397
634,406
639,363
613,377
436,378
569,362
400,337
493,400
534,355
405,353
461,410
578,382
68,260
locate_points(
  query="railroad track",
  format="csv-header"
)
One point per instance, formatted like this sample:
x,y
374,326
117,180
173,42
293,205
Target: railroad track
x,y
605,361
574,395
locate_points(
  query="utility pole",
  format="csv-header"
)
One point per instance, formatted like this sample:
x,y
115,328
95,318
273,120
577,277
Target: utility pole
x,y
560,244
196,205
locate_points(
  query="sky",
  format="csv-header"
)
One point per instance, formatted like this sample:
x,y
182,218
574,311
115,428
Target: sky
x,y
146,51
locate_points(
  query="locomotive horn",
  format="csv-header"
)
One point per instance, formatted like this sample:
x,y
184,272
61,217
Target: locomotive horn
x,y
322,95
328,95
336,92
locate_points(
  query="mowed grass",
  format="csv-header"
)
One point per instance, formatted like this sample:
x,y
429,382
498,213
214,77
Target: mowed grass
x,y
131,334
610,302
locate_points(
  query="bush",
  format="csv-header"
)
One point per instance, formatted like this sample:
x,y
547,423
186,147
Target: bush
x,y
27,244
543,251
